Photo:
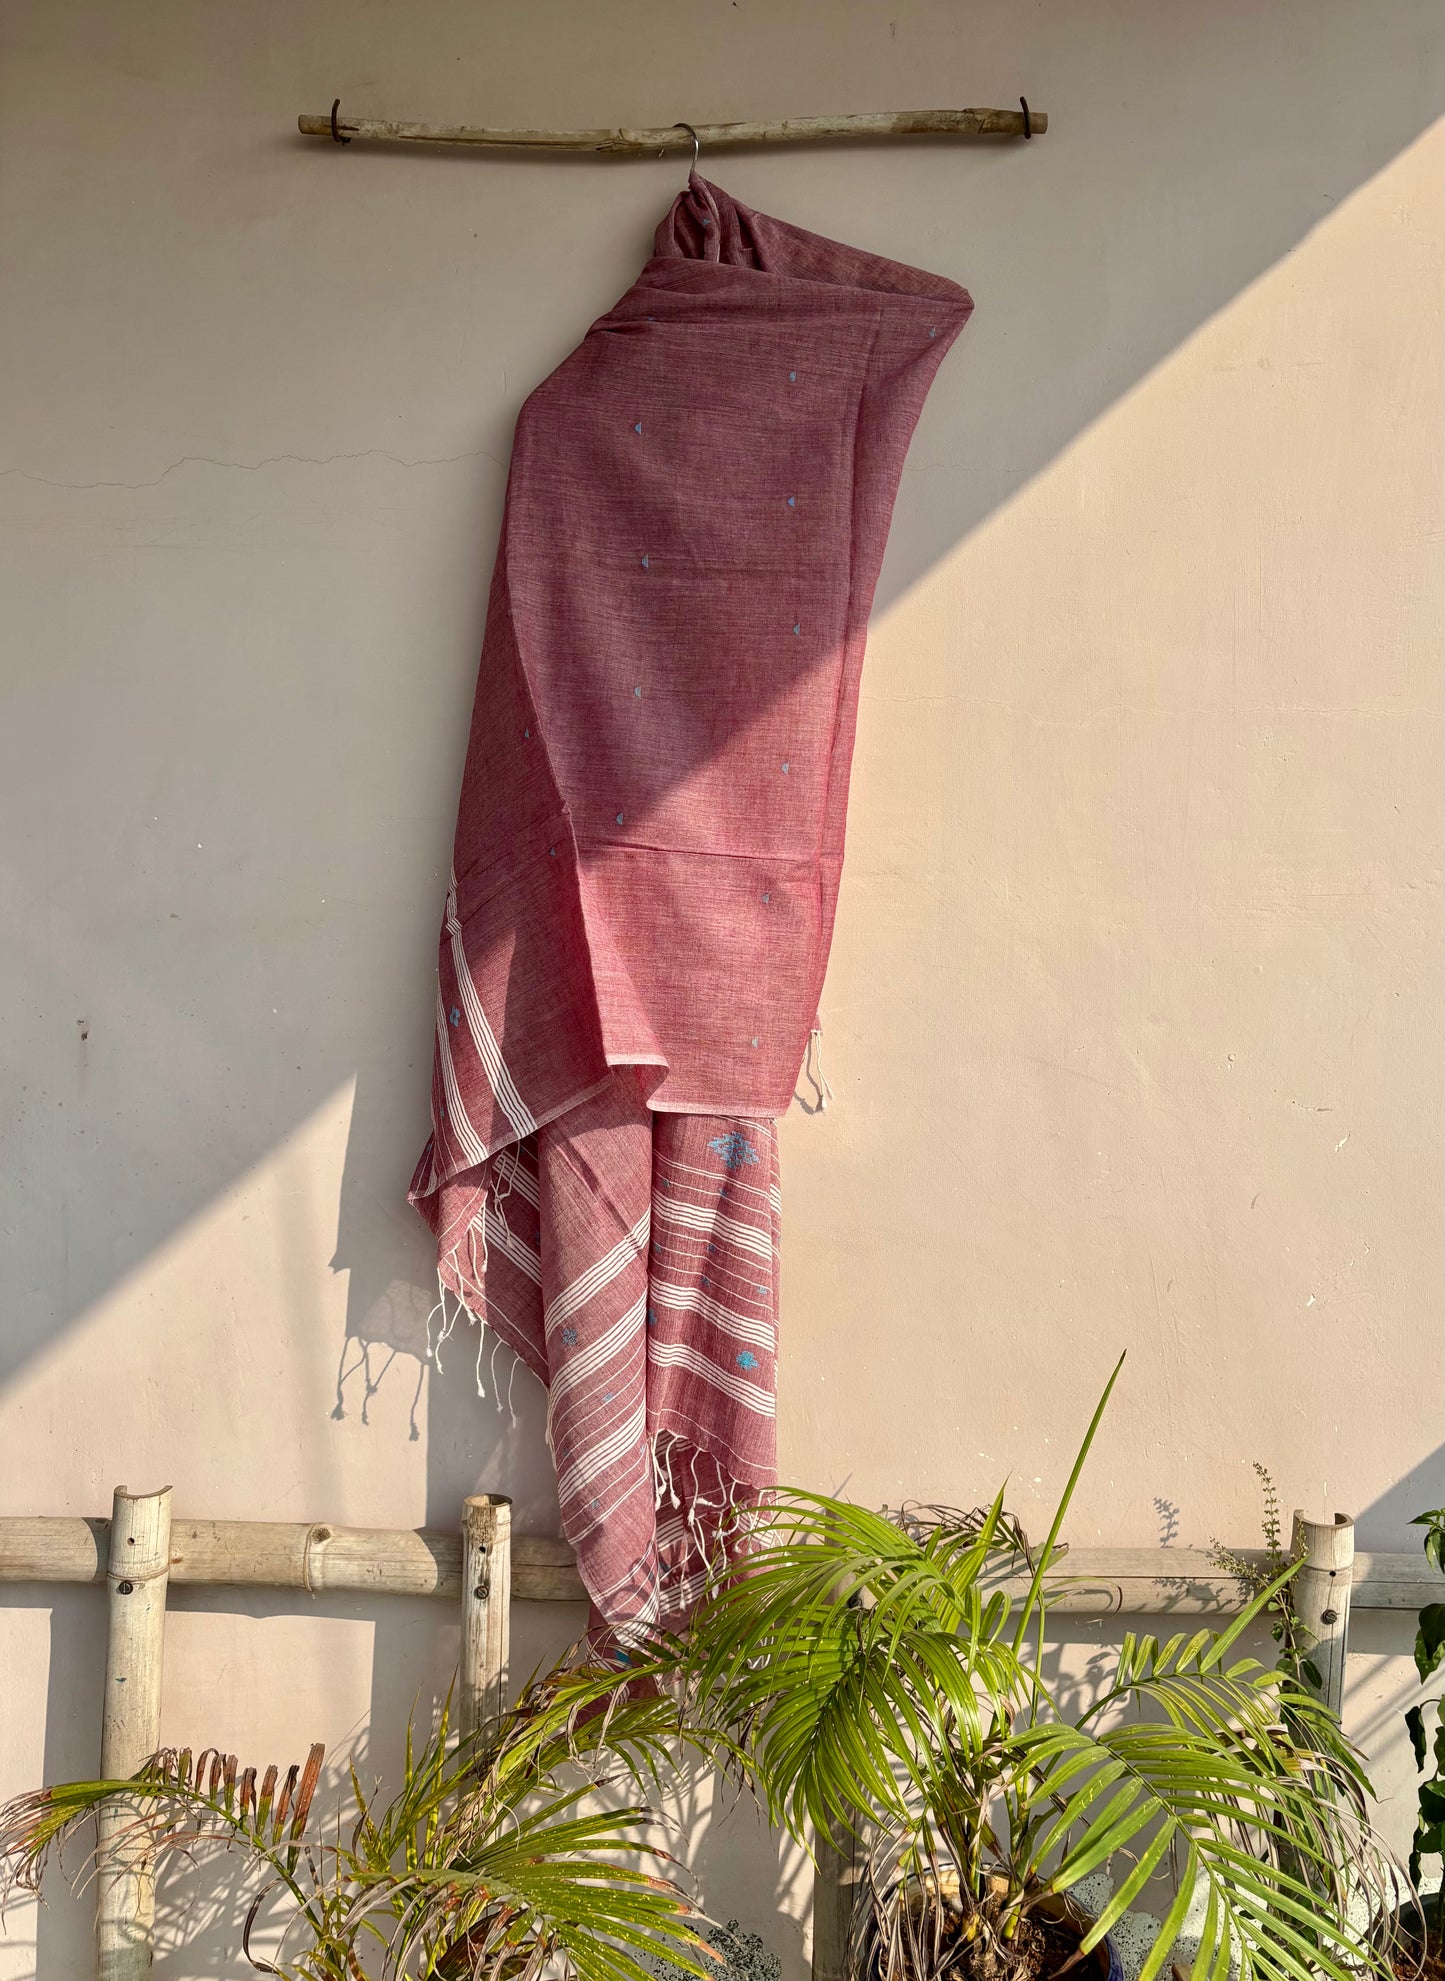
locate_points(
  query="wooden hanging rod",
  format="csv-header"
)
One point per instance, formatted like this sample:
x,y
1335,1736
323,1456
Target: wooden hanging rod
x,y
1019,123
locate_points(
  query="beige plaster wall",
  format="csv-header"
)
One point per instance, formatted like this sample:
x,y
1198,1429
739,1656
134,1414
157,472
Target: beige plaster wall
x,y
1134,1015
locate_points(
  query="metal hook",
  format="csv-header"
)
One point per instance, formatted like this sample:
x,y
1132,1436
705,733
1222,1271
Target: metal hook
x,y
696,145
336,136
1028,125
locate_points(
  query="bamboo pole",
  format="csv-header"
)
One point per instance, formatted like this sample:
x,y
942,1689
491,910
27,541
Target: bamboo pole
x,y
835,1894
326,1560
138,1568
624,142
272,1554
840,1860
486,1608
1320,1594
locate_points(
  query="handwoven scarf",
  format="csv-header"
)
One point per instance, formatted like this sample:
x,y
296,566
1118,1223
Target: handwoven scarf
x,y
647,859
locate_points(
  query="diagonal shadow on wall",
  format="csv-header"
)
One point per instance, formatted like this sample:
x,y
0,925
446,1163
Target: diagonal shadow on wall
x,y
148,1071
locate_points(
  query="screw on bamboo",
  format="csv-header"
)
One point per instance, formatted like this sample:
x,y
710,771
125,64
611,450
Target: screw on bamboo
x,y
139,1567
623,142
486,1609
1320,1594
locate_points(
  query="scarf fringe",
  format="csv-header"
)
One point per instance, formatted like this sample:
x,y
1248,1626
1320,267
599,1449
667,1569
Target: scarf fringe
x,y
718,1511
719,1524
466,1286
813,1068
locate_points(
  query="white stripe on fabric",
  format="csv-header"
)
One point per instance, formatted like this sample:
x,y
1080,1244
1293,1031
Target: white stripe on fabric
x,y
516,1249
517,1178
677,1355
596,1277
611,1498
681,1595
457,1122
581,1413
599,1406
600,1351
711,1180
733,1282
687,1300
635,1629
697,1217
483,1037
589,1464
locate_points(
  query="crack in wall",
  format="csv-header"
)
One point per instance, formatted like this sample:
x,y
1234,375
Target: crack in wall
x,y
254,467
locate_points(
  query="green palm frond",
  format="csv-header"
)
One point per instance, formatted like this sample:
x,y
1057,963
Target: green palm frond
x,y
849,1650
480,1863
877,1679
544,1885
1229,1806
178,1803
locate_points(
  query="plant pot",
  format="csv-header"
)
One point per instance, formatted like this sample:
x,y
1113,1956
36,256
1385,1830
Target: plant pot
x,y
1405,1927
1101,1963
1104,1962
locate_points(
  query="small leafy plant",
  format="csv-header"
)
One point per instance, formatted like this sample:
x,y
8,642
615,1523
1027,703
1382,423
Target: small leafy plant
x,y
1271,1571
1429,1838
481,1864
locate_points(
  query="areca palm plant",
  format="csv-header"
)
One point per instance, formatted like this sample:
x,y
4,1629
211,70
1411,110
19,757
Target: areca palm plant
x,y
483,1863
887,1677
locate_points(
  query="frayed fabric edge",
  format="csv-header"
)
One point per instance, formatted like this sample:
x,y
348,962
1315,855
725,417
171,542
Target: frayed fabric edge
x,y
466,1289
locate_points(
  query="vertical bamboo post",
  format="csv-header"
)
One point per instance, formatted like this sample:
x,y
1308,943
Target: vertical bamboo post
x,y
838,1864
138,1570
1320,1593
835,1892
486,1608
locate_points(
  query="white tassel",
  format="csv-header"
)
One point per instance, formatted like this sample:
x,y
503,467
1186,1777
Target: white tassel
x,y
499,1195
814,1069
479,1286
449,1320
478,1224
439,1308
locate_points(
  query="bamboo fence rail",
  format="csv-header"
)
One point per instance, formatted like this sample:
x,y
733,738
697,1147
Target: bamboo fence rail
x,y
143,1549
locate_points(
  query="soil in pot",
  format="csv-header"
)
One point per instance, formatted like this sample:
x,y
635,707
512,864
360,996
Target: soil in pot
x,y
1047,1945
1050,1944
1407,1959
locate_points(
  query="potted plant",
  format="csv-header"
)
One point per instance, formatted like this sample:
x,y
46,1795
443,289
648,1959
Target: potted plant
x,y
879,1680
481,1863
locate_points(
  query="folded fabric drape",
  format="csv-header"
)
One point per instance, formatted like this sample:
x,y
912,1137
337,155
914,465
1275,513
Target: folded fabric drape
x,y
647,858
